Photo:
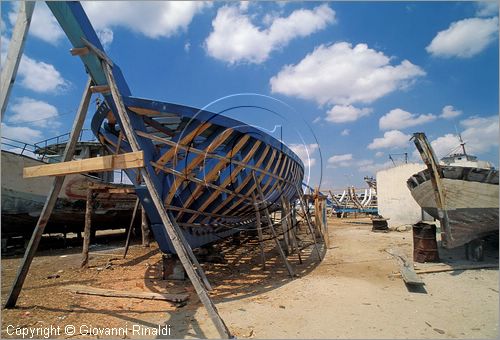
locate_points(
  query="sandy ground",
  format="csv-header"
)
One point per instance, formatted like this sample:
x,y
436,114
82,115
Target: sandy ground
x,y
350,294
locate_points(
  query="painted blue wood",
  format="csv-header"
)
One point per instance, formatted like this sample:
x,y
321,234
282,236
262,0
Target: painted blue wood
x,y
76,25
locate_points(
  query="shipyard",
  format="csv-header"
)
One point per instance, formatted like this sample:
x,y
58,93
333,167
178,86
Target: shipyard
x,y
258,170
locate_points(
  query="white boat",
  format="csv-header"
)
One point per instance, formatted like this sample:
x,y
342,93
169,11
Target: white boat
x,y
460,191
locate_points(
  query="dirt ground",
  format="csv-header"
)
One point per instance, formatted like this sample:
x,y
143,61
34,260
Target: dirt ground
x,y
350,294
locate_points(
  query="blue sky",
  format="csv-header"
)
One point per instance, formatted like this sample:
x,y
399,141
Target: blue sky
x,y
351,81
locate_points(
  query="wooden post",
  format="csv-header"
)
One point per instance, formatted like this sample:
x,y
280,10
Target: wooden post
x,y
308,222
129,233
144,228
15,53
50,202
180,244
259,232
271,227
285,228
88,227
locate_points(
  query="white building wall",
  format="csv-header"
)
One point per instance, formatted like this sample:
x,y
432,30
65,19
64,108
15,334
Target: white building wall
x,y
394,197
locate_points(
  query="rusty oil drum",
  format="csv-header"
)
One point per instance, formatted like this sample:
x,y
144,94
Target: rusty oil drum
x,y
424,243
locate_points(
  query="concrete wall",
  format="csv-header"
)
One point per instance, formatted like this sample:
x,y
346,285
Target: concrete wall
x,y
394,198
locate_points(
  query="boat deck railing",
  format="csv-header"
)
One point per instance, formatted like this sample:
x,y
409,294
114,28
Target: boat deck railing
x,y
86,135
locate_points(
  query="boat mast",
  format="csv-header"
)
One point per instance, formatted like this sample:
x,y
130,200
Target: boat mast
x,y
462,144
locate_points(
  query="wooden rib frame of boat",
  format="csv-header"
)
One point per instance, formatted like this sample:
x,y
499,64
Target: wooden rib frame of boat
x,y
463,198
201,163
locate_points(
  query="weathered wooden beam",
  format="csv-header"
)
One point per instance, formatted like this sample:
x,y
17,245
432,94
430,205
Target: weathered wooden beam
x,y
79,289
88,226
129,232
50,202
96,164
308,221
99,89
271,226
15,53
79,51
182,248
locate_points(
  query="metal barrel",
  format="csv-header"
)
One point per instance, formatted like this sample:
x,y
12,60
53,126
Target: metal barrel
x,y
424,243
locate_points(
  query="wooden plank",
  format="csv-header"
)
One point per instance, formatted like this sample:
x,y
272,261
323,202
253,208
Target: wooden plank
x,y
214,172
271,227
308,221
15,52
449,268
80,289
216,142
242,184
229,179
186,140
406,269
79,51
206,154
182,248
104,163
86,231
129,232
259,232
50,202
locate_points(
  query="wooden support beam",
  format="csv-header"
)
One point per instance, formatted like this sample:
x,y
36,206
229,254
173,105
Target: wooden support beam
x,y
308,221
144,228
15,53
181,246
88,227
80,289
79,51
258,225
96,164
50,202
129,232
99,89
271,226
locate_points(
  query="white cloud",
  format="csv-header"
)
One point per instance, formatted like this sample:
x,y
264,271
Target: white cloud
x,y
379,154
464,38
391,139
487,8
480,134
187,47
342,74
31,111
3,27
345,132
373,168
154,19
40,77
21,133
105,36
236,39
305,151
43,24
400,119
450,112
346,113
443,145
336,161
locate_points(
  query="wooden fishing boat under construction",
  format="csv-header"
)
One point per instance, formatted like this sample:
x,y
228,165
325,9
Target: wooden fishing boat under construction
x,y
202,163
462,193
23,198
